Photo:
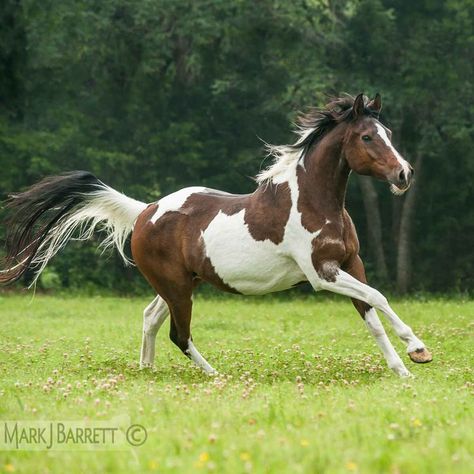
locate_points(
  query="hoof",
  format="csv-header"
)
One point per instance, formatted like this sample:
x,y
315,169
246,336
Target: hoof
x,y
421,356
146,366
401,370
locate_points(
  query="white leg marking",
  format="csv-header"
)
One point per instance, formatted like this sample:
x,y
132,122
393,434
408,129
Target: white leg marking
x,y
347,285
154,316
403,331
393,359
198,359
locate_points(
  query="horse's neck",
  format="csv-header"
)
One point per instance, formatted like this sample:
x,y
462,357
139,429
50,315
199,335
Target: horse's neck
x,y
323,183
318,187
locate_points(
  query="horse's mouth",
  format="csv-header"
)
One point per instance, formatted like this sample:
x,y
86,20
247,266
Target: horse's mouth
x,y
399,190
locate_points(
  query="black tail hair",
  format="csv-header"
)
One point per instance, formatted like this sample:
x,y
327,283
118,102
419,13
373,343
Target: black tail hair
x,y
33,213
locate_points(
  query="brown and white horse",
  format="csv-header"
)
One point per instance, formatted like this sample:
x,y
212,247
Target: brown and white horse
x,y
293,228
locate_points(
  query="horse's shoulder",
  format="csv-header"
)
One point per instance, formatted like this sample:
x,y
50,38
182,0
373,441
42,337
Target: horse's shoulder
x,y
351,240
347,220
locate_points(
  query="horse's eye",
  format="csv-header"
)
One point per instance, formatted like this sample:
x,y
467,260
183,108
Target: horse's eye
x,y
366,138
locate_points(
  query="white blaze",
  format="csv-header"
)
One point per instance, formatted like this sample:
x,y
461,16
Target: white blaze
x,y
383,135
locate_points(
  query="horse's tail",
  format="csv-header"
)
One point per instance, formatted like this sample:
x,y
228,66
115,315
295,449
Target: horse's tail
x,y
43,218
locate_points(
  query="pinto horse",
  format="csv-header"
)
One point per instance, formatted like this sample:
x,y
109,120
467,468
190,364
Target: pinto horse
x,y
293,228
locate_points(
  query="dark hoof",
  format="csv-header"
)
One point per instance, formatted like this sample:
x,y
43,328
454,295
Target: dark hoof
x,y
421,356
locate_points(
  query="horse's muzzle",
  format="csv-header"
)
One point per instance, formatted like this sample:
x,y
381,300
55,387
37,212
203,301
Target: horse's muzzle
x,y
402,179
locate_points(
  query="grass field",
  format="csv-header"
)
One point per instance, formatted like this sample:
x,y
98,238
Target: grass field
x,y
302,388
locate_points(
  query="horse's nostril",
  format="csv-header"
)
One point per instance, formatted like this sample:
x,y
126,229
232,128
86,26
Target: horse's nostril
x,y
401,176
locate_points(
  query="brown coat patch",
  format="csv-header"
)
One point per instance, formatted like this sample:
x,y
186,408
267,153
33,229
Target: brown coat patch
x,y
267,213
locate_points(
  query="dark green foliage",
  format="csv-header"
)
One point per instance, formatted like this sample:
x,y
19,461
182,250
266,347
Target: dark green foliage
x,y
152,96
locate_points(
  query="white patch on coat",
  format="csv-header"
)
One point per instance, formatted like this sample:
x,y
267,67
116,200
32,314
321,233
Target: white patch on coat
x,y
257,267
249,266
174,202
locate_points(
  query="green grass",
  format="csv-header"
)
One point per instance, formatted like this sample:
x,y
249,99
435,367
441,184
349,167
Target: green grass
x,y
303,388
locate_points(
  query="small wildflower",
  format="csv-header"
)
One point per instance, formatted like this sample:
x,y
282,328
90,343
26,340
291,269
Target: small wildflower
x,y
351,466
417,422
204,456
304,443
245,456
9,468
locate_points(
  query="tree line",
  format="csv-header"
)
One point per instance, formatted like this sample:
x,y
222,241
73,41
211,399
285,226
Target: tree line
x,y
155,95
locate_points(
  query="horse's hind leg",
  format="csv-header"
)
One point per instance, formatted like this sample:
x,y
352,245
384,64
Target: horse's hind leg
x,y
154,316
180,328
189,350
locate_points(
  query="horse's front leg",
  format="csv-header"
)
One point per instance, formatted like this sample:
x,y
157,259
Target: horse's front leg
x,y
345,284
339,281
369,315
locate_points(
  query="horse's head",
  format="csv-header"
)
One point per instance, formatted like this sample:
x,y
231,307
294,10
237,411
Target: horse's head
x,y
368,148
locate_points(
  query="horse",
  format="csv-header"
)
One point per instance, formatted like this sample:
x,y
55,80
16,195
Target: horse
x,y
293,228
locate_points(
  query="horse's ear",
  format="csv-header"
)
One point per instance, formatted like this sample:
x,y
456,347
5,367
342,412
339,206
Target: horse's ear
x,y
358,107
375,104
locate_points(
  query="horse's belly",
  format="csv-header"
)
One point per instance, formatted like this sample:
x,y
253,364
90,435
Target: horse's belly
x,y
249,266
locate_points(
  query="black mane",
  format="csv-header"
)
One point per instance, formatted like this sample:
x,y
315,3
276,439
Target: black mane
x,y
319,121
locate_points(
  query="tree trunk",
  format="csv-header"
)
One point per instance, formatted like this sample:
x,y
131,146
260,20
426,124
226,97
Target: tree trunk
x,y
374,225
404,233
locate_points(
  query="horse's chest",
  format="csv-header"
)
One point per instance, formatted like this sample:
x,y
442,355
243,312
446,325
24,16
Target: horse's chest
x,y
249,266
